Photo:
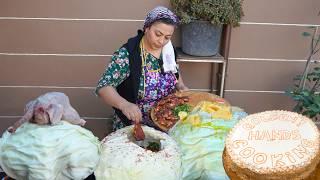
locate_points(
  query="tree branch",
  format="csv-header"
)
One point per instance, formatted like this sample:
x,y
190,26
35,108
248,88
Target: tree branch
x,y
315,86
302,82
315,52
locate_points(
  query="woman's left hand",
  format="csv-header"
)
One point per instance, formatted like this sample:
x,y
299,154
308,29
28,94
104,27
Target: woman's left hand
x,y
181,87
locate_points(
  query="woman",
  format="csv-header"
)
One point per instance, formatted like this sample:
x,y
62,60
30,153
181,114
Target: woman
x,y
142,71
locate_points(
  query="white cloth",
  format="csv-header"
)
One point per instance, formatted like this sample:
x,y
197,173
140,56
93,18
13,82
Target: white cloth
x,y
168,57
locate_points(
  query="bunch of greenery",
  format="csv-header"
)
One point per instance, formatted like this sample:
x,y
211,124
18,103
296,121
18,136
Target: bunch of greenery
x,y
182,107
153,146
306,87
218,12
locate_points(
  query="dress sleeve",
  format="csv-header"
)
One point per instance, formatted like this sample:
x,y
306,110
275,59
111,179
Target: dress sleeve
x,y
117,71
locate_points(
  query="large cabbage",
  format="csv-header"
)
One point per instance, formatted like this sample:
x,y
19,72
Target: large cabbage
x,y
201,140
62,151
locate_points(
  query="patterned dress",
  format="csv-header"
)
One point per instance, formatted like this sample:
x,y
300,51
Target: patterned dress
x,y
154,84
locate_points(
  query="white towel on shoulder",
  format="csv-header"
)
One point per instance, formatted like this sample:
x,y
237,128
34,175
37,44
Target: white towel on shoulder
x,y
168,57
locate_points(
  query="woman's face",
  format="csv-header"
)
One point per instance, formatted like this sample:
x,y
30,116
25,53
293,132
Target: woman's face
x,y
158,35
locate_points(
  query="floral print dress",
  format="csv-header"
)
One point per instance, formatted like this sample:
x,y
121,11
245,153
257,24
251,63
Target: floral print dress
x,y
154,84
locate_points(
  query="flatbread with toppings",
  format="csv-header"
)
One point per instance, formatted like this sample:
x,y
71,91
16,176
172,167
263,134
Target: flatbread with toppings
x,y
195,97
165,113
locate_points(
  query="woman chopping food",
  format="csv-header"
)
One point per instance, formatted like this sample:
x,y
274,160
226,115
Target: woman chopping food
x,y
142,71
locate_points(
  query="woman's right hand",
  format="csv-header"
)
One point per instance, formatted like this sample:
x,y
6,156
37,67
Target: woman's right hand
x,y
110,96
131,111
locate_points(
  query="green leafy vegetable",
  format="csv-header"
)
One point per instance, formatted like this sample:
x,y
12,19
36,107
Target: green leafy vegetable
x,y
153,146
182,107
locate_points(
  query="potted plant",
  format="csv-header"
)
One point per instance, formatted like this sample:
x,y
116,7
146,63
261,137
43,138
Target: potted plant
x,y
307,86
202,22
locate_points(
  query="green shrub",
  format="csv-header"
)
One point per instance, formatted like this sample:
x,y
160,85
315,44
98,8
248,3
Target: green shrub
x,y
218,12
307,86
